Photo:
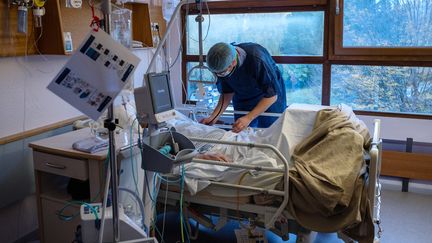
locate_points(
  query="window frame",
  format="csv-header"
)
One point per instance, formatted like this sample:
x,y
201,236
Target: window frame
x,y
370,53
333,53
238,6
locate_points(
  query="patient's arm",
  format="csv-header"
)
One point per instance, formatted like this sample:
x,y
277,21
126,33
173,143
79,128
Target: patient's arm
x,y
214,156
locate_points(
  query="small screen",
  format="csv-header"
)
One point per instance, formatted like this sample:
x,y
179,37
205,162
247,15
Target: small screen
x,y
160,92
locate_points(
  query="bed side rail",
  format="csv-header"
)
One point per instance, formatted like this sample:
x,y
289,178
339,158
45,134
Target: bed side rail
x,y
374,186
285,171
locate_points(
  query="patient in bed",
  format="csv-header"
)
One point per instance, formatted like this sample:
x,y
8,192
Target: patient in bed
x,y
325,151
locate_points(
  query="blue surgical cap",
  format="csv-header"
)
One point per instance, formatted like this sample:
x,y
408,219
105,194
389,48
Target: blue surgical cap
x,y
220,56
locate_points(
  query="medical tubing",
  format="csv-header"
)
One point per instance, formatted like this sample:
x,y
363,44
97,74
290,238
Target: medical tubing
x,y
209,24
138,199
189,229
220,109
67,218
188,156
155,193
180,49
148,188
167,31
186,230
166,180
131,156
164,212
181,202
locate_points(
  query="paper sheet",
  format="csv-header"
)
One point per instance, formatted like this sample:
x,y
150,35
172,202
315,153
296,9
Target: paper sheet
x,y
95,74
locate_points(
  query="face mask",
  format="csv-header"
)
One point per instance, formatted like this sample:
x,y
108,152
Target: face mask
x,y
226,73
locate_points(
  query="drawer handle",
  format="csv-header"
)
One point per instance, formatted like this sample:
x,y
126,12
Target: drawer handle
x,y
60,167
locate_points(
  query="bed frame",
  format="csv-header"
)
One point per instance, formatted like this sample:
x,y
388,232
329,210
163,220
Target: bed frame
x,y
266,216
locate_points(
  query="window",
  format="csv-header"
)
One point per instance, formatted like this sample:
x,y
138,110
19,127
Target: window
x,y
303,83
383,88
282,34
298,34
382,56
387,23
384,27
374,55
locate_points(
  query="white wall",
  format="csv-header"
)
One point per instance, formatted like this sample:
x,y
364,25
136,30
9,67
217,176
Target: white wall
x,y
26,103
402,128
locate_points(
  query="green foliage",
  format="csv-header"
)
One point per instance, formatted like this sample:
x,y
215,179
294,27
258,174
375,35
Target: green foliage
x,y
385,23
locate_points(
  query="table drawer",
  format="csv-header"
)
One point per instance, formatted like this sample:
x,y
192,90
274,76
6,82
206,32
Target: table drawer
x,y
60,165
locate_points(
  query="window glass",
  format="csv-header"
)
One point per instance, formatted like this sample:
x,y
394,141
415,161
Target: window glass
x,y
387,23
381,88
283,34
204,94
303,84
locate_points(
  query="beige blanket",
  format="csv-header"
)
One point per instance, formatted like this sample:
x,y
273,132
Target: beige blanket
x,y
327,192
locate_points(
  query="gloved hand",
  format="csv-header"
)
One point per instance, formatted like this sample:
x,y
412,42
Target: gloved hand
x,y
241,124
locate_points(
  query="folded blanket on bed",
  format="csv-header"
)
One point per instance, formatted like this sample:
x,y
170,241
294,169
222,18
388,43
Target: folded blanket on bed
x,y
327,192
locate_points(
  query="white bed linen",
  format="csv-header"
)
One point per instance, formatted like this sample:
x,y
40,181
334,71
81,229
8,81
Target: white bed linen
x,y
291,128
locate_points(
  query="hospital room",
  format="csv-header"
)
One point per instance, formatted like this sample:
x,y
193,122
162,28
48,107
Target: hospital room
x,y
235,121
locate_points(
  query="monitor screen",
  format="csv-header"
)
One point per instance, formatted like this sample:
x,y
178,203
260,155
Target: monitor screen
x,y
160,92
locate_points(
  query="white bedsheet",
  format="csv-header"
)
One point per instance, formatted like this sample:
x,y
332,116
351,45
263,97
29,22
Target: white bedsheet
x,y
291,128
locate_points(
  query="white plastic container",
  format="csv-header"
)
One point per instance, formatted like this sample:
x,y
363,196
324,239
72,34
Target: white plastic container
x,y
68,42
121,26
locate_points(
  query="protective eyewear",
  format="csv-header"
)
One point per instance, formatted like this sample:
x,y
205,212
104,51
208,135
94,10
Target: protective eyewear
x,y
228,71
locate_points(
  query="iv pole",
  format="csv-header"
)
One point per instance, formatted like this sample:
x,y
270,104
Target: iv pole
x,y
111,126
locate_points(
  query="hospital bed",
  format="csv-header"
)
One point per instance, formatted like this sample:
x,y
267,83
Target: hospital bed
x,y
269,216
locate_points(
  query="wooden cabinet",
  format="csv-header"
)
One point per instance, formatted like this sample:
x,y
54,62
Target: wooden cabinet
x,y
55,164
13,43
59,19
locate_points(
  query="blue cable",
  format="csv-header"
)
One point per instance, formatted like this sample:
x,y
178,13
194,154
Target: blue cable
x,y
166,180
181,202
148,188
187,233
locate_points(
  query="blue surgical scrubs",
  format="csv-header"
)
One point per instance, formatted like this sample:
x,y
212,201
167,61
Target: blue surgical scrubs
x,y
256,78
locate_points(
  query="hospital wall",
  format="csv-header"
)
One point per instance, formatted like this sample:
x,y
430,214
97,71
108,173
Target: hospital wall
x,y
402,128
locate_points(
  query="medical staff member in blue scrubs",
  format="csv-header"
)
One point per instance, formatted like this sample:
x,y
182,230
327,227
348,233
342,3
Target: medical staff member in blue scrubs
x,y
247,75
